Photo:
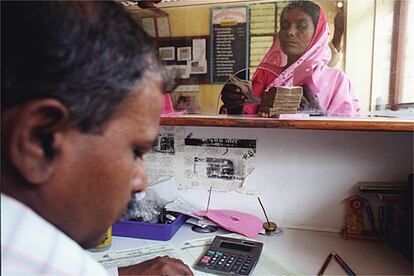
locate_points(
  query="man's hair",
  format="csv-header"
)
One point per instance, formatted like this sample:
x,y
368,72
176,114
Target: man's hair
x,y
308,7
87,55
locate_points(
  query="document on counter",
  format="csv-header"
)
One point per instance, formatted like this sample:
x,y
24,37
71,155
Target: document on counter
x,y
189,252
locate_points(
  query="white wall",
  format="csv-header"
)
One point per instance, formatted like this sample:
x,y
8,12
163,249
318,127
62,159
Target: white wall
x,y
304,175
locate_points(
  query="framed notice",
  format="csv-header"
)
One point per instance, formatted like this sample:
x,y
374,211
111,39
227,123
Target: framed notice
x,y
148,25
184,53
229,41
163,26
167,53
156,26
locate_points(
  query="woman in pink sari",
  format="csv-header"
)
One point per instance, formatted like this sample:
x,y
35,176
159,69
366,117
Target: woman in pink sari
x,y
299,56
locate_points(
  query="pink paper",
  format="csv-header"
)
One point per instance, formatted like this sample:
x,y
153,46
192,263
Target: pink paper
x,y
235,221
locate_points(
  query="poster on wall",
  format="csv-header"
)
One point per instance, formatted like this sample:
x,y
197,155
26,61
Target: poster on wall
x,y
200,162
229,40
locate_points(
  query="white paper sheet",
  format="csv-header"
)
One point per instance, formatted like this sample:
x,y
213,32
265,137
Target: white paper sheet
x,y
163,26
201,162
181,206
148,24
221,163
164,158
199,49
189,252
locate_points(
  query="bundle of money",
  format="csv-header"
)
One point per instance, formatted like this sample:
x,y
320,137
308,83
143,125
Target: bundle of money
x,y
280,100
245,88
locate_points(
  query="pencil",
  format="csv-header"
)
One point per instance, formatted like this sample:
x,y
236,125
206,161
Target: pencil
x,y
342,263
325,264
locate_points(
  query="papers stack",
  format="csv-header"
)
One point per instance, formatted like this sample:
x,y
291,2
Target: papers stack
x,y
184,207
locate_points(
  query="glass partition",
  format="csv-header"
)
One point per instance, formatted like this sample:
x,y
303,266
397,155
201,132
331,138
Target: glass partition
x,y
368,41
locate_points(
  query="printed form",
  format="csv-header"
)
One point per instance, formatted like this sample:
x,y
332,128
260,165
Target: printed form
x,y
189,252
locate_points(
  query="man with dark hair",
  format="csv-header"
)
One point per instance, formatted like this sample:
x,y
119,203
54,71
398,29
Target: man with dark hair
x,y
80,103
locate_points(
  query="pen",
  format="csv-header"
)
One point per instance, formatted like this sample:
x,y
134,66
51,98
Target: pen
x,y
342,263
325,264
209,195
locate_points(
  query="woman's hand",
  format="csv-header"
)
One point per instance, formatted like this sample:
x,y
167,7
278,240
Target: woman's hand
x,y
157,266
310,103
233,99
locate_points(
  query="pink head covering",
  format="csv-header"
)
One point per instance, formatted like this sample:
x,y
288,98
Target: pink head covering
x,y
330,85
168,108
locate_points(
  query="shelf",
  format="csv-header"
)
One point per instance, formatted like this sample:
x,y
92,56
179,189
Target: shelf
x,y
321,123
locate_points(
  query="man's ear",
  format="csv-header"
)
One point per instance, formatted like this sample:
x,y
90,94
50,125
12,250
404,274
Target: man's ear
x,y
35,135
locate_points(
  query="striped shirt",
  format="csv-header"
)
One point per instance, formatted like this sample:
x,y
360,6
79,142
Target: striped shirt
x,y
32,246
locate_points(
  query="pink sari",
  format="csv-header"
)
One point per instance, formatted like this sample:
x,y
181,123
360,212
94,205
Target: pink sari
x,y
330,85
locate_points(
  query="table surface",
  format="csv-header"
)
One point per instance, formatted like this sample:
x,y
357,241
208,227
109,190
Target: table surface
x,y
306,251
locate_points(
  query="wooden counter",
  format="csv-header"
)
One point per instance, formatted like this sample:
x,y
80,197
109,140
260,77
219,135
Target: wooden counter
x,y
322,123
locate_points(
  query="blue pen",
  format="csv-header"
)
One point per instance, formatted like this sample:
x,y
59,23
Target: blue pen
x,y
342,263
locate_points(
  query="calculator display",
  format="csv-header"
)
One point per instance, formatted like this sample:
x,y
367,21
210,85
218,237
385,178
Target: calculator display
x,y
235,246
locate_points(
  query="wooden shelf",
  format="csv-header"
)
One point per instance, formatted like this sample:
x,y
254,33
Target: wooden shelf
x,y
321,123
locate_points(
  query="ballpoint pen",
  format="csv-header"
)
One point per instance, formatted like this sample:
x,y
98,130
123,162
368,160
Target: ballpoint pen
x,y
209,196
325,264
342,263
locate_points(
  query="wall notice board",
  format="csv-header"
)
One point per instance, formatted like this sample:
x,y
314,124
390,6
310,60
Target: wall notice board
x,y
229,40
187,56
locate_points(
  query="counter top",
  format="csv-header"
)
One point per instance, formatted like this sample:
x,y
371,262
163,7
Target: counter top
x,y
306,251
314,122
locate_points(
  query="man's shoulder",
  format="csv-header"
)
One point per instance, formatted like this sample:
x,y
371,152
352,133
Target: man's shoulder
x,y
32,245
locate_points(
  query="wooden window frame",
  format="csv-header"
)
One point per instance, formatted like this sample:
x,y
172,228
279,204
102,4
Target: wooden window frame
x,y
397,54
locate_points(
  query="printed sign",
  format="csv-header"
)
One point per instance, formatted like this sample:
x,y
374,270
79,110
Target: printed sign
x,y
229,42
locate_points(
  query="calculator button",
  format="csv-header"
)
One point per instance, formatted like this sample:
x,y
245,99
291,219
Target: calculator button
x,y
227,268
211,252
218,268
204,261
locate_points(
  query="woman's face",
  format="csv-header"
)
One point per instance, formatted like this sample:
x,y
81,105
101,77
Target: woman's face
x,y
296,32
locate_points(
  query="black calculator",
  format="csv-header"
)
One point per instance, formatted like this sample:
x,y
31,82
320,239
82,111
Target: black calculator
x,y
230,256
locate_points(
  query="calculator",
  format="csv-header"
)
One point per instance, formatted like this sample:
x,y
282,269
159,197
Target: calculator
x,y
230,256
